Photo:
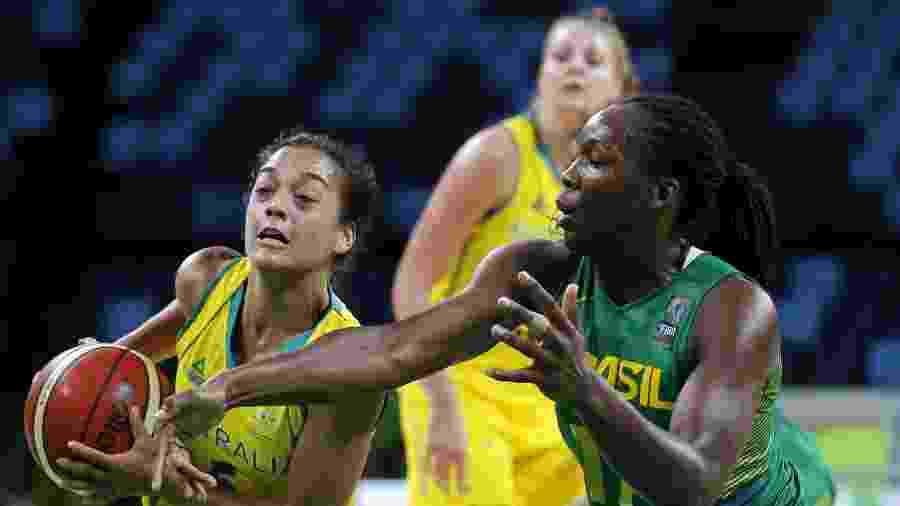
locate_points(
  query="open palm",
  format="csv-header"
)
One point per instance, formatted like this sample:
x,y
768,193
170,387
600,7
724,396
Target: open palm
x,y
554,341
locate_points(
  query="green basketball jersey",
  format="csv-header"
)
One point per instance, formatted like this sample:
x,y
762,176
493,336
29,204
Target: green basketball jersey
x,y
643,350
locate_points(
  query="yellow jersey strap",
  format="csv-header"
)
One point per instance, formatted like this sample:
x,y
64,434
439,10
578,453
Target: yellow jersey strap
x,y
542,149
215,298
526,138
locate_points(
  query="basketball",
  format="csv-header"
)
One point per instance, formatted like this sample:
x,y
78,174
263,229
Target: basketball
x,y
73,398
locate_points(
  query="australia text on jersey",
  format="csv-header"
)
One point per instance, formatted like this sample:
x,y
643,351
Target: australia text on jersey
x,y
246,451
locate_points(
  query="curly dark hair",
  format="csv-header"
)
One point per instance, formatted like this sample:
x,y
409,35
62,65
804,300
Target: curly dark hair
x,y
361,191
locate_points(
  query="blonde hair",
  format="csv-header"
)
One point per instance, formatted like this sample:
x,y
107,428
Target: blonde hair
x,y
601,20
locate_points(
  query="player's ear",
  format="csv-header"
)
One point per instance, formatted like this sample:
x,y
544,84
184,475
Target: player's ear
x,y
665,192
346,238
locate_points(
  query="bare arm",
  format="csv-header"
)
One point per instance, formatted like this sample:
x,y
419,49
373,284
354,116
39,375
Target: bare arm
x,y
327,464
481,176
157,336
382,357
713,414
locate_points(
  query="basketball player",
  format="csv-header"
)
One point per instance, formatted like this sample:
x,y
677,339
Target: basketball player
x,y
309,204
500,440
665,360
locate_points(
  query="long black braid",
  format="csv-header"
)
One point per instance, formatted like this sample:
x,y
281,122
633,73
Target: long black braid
x,y
726,209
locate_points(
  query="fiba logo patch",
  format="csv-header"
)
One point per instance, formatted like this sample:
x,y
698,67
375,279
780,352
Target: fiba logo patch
x,y
675,313
665,332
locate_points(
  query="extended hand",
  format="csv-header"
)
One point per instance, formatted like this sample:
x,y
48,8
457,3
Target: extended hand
x,y
104,476
194,412
553,341
189,414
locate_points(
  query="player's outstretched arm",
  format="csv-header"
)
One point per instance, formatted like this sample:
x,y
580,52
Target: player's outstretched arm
x,y
374,358
381,357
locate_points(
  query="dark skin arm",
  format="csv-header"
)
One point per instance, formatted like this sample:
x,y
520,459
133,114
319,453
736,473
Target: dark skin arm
x,y
328,461
387,356
712,416
375,358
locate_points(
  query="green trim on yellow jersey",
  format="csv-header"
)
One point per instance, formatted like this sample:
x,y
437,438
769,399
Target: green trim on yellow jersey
x,y
195,311
250,450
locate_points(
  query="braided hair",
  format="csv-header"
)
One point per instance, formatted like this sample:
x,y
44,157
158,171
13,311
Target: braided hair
x,y
725,207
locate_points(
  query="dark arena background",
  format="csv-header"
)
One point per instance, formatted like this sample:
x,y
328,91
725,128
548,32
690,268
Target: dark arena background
x,y
130,129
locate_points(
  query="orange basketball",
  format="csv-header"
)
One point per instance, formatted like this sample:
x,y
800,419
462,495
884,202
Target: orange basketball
x,y
73,399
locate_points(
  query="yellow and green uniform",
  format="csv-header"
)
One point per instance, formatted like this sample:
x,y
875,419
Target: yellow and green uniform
x,y
516,455
250,450
643,349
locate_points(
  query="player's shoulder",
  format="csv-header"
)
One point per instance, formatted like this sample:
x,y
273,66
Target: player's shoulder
x,y
738,305
198,270
738,291
207,262
484,169
492,144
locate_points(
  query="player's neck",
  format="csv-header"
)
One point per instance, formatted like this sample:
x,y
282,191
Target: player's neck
x,y
557,129
628,276
278,308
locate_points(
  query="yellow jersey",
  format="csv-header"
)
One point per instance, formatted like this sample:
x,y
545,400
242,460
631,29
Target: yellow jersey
x,y
529,214
250,450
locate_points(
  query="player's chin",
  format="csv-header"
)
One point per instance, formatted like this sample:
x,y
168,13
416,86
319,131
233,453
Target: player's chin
x,y
573,102
273,260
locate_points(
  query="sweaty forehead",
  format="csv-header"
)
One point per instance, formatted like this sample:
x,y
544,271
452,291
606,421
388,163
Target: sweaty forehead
x,y
606,127
293,162
578,32
578,35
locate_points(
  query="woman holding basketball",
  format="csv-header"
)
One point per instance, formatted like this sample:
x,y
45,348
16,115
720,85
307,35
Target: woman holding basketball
x,y
308,207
